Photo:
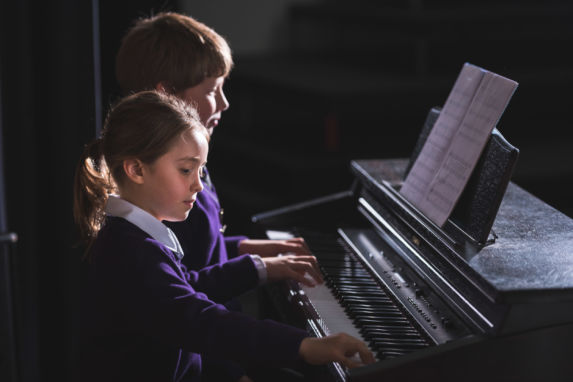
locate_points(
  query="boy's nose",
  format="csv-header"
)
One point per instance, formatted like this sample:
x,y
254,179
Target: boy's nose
x,y
222,102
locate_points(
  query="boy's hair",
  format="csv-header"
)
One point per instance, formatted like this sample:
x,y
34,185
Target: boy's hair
x,y
142,126
172,49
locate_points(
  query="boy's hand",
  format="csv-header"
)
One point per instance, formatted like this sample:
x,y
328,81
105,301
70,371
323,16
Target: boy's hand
x,y
268,248
335,348
245,378
293,267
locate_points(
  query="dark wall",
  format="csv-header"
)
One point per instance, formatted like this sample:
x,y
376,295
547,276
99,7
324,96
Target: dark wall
x,y
8,369
50,110
48,113
115,20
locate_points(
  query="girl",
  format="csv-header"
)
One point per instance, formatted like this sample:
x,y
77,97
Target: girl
x,y
146,317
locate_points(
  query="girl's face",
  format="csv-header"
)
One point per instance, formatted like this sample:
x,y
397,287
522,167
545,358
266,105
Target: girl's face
x,y
209,99
170,184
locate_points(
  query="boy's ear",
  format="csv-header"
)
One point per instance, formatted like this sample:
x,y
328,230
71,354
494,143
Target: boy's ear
x,y
134,170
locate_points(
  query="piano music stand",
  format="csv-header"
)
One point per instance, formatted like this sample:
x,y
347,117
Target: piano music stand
x,y
475,211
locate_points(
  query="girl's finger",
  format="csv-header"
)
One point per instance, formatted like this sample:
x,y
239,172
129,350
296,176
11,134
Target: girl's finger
x,y
300,278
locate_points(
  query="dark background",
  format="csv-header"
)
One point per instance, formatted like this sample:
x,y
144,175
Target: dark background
x,y
325,82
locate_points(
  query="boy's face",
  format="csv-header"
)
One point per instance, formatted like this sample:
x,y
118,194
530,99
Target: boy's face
x,y
209,99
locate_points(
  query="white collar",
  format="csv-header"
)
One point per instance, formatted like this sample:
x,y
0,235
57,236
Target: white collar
x,y
119,207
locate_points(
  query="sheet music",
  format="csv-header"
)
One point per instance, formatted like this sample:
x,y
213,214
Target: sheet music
x,y
456,141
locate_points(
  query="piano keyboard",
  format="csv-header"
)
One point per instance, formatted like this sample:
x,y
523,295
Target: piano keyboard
x,y
352,301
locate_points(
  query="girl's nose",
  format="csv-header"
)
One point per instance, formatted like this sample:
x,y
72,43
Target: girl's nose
x,y
197,185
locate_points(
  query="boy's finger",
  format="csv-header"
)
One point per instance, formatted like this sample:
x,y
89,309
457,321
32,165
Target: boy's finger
x,y
301,241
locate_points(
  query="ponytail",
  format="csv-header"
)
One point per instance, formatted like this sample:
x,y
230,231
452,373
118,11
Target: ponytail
x,y
92,184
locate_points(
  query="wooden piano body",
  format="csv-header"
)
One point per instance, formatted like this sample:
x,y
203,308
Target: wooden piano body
x,y
499,311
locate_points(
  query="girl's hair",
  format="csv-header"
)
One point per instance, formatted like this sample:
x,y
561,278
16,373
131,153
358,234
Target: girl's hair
x,y
173,49
142,126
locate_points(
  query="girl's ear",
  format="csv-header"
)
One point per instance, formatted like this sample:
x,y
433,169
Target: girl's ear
x,y
134,170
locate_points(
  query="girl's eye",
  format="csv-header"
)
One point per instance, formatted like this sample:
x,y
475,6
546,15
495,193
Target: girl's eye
x,y
202,171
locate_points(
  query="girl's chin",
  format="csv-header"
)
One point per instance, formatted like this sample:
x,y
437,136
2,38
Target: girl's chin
x,y
178,218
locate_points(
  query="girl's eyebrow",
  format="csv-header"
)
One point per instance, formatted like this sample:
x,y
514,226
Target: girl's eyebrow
x,y
189,159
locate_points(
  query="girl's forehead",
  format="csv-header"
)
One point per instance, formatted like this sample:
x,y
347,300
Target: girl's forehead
x,y
191,142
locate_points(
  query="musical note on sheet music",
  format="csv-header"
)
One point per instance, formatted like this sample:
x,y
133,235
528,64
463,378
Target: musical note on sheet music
x,y
453,147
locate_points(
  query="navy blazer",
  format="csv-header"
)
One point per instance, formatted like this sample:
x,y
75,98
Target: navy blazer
x,y
144,319
200,234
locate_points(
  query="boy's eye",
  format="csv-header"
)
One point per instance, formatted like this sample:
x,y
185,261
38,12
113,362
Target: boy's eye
x,y
185,171
202,171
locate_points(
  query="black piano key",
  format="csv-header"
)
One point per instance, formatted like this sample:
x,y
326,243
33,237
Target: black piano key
x,y
367,293
367,288
391,328
372,309
387,321
379,315
387,335
390,353
366,301
382,314
381,344
342,282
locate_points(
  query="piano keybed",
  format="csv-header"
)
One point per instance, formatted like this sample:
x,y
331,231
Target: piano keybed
x,y
378,319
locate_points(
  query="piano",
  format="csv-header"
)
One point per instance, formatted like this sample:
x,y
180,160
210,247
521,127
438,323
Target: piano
x,y
432,304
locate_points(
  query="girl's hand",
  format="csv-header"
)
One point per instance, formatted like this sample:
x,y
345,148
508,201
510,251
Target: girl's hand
x,y
335,348
293,267
268,248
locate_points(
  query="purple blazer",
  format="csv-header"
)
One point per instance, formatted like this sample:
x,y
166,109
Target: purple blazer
x,y
200,234
144,319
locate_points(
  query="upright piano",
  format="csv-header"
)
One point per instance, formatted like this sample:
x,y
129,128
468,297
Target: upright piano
x,y
431,302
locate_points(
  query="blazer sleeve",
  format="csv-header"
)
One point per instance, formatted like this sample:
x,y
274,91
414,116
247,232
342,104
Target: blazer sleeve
x,y
232,245
222,282
166,307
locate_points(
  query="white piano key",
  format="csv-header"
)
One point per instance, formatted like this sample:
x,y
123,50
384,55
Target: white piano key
x,y
333,317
